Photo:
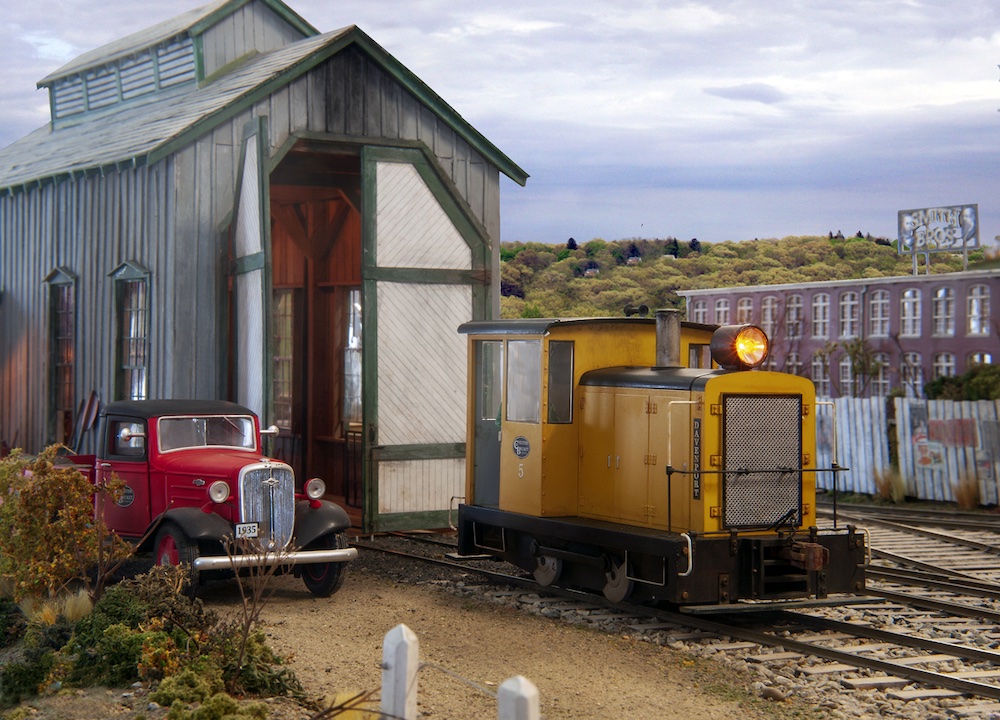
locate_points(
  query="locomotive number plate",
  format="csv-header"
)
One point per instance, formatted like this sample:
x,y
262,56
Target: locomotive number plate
x,y
247,530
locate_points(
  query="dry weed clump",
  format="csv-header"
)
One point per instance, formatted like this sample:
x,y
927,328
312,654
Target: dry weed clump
x,y
966,492
889,485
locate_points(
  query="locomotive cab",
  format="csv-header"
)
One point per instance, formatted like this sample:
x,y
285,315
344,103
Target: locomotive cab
x,y
614,455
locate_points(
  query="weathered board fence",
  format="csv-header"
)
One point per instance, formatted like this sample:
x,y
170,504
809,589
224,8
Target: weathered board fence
x,y
936,444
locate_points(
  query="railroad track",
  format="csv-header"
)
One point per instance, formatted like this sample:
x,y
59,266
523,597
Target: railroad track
x,y
884,646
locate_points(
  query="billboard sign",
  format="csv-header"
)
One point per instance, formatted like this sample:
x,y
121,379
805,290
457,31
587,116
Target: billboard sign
x,y
953,228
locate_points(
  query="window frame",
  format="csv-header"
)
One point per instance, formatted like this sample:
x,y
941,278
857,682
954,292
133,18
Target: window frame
x,y
820,315
878,314
977,304
136,321
909,313
943,312
63,338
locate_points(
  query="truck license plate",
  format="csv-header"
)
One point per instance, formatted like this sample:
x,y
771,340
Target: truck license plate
x,y
246,530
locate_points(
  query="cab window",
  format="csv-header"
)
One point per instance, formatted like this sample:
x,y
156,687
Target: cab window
x,y
524,376
560,381
133,448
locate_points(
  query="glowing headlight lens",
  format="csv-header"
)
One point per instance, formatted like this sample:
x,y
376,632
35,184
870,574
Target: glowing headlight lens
x,y
315,489
739,347
218,491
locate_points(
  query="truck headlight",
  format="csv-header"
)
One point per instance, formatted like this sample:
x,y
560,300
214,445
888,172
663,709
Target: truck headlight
x,y
219,491
315,489
739,347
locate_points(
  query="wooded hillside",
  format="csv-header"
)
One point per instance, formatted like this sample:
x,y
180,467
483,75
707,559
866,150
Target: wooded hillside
x,y
599,278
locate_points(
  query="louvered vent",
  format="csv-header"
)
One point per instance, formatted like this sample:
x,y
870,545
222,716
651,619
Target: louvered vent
x,y
168,65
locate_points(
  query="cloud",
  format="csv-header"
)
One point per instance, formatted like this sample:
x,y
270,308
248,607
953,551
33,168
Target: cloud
x,y
754,92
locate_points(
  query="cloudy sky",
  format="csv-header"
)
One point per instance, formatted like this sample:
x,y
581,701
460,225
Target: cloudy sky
x,y
721,119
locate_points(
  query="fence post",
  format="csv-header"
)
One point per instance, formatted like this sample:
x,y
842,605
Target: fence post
x,y
400,659
517,699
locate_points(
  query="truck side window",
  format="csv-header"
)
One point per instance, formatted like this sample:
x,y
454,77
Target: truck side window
x,y
134,447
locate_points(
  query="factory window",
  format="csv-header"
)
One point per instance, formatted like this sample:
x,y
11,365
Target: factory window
x,y
849,316
880,375
62,348
793,363
944,312
132,315
744,310
722,311
944,365
909,315
699,312
560,381
979,310
524,381
912,375
283,331
821,376
846,377
793,318
981,358
821,316
879,314
769,315
352,359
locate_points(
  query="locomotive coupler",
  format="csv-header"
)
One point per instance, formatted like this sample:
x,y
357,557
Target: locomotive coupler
x,y
807,555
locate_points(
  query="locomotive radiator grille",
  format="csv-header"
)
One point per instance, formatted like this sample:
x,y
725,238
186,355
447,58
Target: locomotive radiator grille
x,y
267,497
762,460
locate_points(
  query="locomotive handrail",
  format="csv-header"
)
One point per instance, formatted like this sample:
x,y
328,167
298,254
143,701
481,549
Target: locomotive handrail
x,y
690,554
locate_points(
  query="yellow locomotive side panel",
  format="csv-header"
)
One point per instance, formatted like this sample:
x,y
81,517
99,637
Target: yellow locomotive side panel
x,y
521,487
596,421
709,512
670,425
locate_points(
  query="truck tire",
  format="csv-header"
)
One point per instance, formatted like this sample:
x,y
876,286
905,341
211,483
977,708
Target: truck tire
x,y
173,547
324,579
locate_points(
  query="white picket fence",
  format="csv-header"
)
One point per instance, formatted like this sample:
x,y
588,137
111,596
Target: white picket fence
x,y
517,698
939,443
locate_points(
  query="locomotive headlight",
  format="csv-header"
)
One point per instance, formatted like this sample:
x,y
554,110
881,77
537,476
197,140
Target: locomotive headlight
x,y
739,347
218,491
315,489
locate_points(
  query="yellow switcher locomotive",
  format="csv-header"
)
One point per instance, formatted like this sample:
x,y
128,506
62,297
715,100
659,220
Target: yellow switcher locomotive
x,y
649,460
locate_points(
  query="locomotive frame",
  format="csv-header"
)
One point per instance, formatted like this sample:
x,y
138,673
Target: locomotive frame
x,y
597,458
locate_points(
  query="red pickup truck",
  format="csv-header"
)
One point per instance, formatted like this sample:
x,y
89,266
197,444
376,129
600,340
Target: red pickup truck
x,y
197,471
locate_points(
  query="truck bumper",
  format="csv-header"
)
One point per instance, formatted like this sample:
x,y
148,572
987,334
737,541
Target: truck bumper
x,y
302,557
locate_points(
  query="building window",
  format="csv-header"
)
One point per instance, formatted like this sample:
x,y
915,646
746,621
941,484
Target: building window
x,y
880,385
912,375
821,316
793,318
132,299
283,316
722,311
944,312
944,365
62,349
846,377
849,318
352,359
793,363
699,312
744,310
769,315
909,316
981,358
879,314
979,310
821,376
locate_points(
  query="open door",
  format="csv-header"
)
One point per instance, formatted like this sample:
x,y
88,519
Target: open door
x,y
425,271
251,246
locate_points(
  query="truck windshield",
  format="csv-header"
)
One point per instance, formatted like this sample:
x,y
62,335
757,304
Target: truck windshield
x,y
233,431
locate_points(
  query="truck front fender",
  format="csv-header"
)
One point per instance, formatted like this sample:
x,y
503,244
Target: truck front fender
x,y
313,523
196,524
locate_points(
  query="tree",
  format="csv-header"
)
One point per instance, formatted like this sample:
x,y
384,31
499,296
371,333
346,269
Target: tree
x,y
694,245
980,382
571,244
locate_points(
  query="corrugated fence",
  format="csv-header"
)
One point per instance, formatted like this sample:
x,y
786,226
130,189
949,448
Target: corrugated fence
x,y
939,443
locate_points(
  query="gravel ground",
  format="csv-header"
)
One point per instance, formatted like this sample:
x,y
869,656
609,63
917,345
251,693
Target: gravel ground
x,y
468,646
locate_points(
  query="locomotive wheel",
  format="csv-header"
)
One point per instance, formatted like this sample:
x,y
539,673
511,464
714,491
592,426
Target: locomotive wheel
x,y
548,571
619,586
324,579
173,547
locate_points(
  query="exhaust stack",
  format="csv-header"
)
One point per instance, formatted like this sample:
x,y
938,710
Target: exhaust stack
x,y
668,338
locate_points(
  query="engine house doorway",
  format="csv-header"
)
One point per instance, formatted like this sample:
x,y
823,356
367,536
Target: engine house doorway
x,y
316,315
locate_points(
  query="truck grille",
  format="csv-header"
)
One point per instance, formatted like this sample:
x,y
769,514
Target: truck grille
x,y
267,497
762,460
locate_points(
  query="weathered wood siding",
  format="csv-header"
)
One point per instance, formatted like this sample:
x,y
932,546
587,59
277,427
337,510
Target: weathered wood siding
x,y
171,217
253,27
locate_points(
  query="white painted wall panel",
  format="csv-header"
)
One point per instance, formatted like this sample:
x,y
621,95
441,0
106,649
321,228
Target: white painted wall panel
x,y
413,230
421,360
419,485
